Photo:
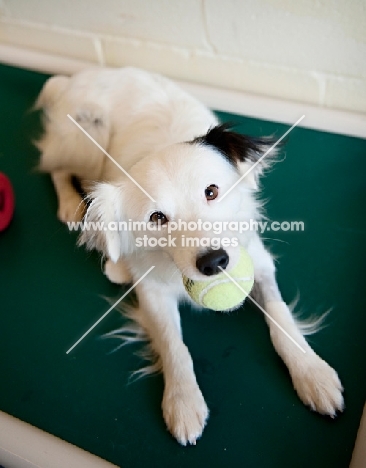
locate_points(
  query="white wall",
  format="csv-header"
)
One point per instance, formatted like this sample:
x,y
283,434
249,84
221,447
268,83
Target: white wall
x,y
312,51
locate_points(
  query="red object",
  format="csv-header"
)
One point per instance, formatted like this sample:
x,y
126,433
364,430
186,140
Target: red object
x,y
6,202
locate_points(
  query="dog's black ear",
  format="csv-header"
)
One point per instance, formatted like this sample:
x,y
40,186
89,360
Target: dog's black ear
x,y
240,150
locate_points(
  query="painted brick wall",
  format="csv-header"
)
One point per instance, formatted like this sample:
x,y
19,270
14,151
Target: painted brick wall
x,y
311,51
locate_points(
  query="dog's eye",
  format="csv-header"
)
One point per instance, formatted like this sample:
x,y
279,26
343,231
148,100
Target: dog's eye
x,y
158,218
211,192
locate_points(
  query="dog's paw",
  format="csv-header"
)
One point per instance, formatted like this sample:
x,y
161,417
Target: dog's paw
x,y
185,412
318,386
71,209
117,272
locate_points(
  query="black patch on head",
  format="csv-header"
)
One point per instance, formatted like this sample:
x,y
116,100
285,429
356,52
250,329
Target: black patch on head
x,y
235,147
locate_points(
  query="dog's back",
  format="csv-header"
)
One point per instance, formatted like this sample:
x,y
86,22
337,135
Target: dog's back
x,y
129,112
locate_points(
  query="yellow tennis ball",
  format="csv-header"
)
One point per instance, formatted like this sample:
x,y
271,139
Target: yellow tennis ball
x,y
220,292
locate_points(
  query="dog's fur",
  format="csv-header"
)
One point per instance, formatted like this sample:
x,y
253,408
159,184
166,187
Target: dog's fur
x,y
174,148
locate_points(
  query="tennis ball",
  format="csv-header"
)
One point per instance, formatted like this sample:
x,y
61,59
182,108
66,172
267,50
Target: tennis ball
x,y
220,292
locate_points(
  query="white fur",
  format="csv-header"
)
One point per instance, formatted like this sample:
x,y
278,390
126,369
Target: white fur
x,y
144,121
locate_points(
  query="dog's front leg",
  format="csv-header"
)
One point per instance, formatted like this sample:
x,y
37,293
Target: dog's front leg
x,y
184,408
316,383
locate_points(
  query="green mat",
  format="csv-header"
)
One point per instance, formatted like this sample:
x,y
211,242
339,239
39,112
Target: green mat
x,y
51,292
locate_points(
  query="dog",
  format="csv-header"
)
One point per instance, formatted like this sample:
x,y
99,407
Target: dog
x,y
168,158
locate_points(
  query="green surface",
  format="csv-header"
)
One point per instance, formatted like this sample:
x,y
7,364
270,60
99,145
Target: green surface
x,y
51,292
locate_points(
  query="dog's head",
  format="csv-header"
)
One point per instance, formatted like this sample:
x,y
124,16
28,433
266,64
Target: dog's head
x,y
192,187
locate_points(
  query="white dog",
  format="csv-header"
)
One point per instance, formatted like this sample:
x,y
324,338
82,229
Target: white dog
x,y
178,155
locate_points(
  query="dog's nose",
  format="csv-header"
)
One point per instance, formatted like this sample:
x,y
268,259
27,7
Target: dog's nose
x,y
209,263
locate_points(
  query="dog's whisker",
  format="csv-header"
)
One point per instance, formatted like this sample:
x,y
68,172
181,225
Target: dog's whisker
x,y
274,239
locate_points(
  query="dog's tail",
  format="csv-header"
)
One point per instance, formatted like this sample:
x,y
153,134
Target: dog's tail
x,y
64,145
